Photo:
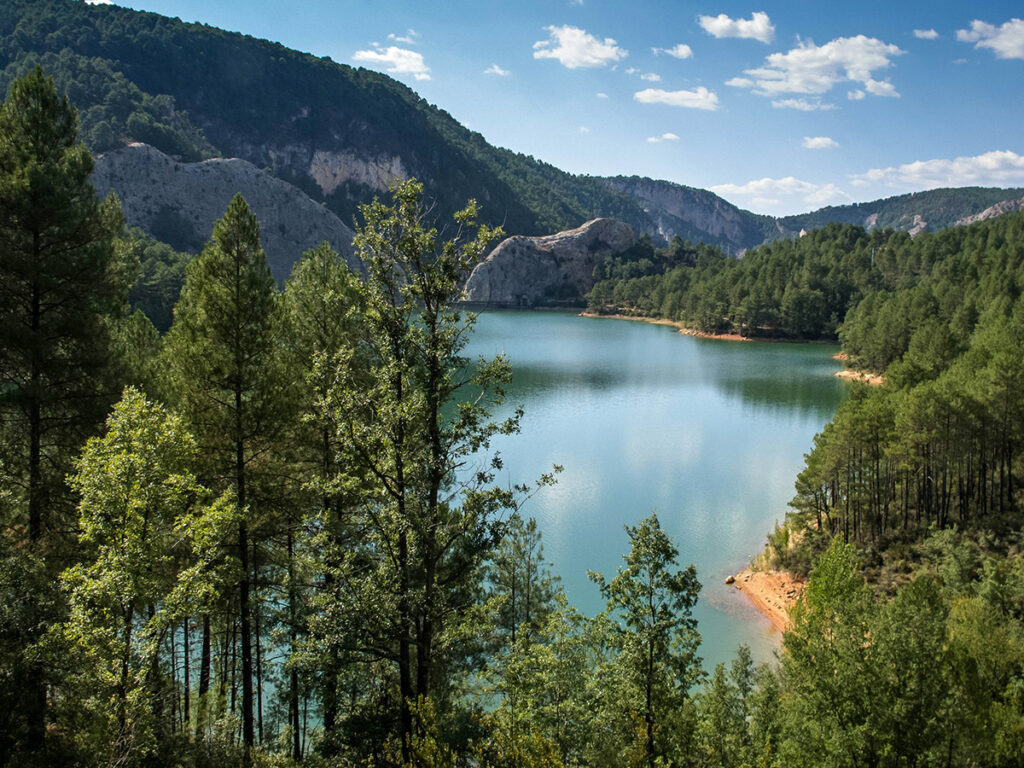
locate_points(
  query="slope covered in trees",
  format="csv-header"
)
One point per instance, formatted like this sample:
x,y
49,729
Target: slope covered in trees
x,y
189,90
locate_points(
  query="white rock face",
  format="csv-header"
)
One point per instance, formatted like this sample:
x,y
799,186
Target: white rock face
x,y
179,203
552,270
332,169
1007,206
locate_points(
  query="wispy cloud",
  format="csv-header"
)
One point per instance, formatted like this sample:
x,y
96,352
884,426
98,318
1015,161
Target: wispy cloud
x,y
410,37
926,34
819,142
802,105
1007,40
396,61
701,98
573,48
494,69
601,95
757,27
680,51
996,168
668,136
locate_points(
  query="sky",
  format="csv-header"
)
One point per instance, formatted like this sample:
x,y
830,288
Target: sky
x,y
779,107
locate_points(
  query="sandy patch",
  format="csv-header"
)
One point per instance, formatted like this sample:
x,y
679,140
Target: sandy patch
x,y
874,379
773,593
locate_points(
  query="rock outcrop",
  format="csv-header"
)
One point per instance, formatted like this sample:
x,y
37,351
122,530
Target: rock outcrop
x,y
178,203
1007,206
556,270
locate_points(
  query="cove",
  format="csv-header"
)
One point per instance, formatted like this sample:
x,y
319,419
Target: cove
x,y
710,434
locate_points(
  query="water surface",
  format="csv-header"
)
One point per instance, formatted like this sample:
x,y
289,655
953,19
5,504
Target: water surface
x,y
710,434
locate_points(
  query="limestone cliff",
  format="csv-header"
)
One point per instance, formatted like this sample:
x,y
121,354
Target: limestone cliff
x,y
694,214
178,203
556,270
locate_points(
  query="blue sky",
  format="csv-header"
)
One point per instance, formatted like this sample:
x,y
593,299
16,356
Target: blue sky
x,y
780,107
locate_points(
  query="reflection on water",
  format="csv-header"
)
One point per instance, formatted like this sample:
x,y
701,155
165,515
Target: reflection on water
x,y
710,434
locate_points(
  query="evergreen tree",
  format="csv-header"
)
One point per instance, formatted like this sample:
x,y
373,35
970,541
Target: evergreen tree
x,y
61,283
223,351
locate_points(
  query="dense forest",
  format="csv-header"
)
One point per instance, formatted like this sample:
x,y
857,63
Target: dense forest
x,y
271,535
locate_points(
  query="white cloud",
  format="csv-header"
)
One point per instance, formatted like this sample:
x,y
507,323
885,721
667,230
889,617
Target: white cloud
x,y
881,88
664,137
701,98
651,77
803,105
757,27
996,168
740,82
680,51
584,129
409,38
397,61
819,142
602,95
1007,40
573,47
494,69
789,192
855,95
926,34
813,69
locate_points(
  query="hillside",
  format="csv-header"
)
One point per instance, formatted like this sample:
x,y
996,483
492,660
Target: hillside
x,y
933,210
340,134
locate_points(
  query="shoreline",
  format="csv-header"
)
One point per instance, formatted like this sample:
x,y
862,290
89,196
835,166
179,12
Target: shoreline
x,y
773,593
873,379
686,331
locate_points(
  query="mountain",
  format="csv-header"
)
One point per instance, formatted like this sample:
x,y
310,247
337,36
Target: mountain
x,y
339,134
933,210
695,214
336,132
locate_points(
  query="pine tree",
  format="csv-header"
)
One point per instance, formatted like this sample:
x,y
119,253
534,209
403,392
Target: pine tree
x,y
61,282
223,350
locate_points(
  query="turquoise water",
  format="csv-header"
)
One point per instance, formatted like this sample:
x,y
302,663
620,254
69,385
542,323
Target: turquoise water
x,y
710,434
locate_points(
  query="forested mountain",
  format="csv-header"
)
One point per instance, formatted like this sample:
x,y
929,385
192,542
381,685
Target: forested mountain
x,y
340,134
933,210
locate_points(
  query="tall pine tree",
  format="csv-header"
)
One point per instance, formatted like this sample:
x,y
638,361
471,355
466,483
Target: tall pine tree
x,y
223,349
61,282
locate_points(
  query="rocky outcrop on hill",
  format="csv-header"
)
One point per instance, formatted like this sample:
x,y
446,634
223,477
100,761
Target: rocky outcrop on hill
x,y
1007,206
178,203
556,270
693,214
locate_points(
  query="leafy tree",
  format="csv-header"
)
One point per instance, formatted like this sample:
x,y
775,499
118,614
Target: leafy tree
x,y
151,536
427,523
658,638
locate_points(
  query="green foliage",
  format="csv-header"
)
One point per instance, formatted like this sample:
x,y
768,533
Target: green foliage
x,y
63,285
151,541
656,642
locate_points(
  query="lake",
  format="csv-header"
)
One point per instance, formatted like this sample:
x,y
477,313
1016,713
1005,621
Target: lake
x,y
710,434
